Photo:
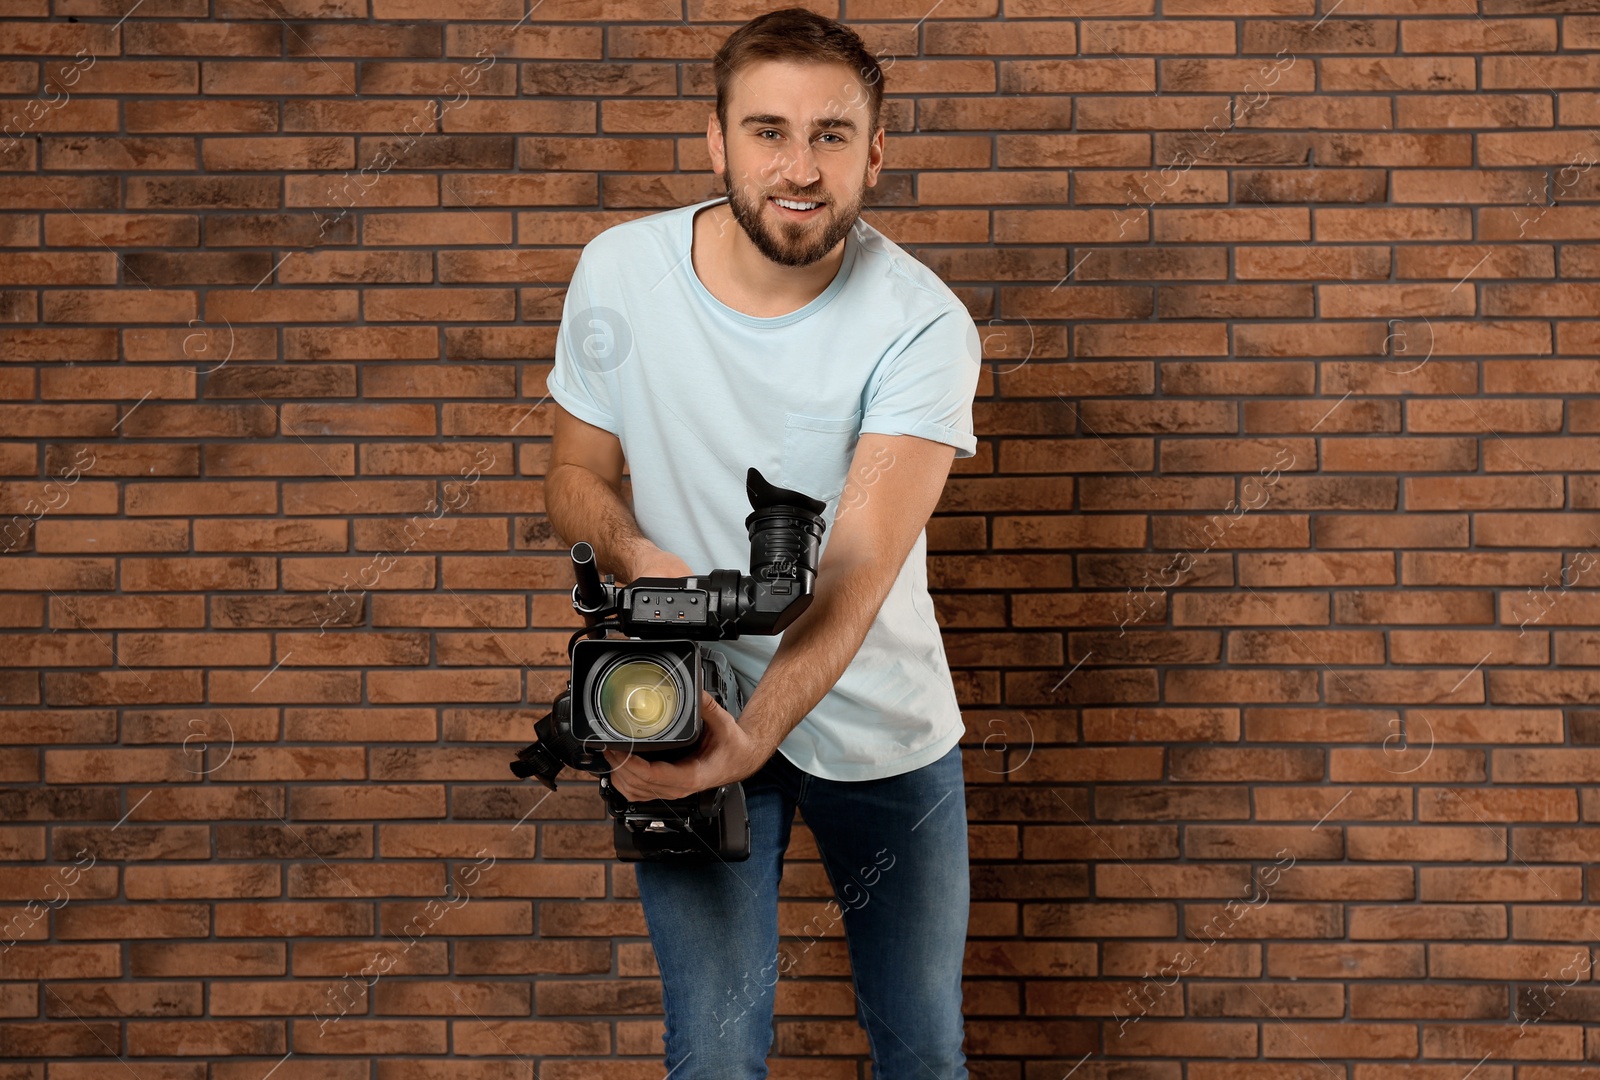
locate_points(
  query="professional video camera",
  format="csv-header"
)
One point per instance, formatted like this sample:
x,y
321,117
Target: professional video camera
x,y
641,694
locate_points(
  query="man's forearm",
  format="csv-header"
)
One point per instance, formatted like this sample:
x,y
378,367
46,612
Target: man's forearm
x,y
582,506
815,650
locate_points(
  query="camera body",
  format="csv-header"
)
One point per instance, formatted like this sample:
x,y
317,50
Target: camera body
x,y
708,823
641,694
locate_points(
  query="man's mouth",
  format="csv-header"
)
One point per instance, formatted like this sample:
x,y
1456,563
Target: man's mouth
x,y
795,208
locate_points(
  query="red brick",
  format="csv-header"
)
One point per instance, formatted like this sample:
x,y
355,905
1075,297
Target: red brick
x,y
1351,961
1542,885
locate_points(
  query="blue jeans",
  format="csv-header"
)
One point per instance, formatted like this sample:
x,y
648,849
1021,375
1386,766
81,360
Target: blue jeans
x,y
895,851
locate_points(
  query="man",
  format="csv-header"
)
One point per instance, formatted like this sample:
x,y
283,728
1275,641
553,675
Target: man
x,y
741,332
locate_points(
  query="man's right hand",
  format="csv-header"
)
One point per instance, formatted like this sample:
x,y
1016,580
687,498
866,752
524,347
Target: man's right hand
x,y
658,563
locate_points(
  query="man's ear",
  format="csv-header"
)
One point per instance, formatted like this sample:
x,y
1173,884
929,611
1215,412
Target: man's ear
x,y
714,144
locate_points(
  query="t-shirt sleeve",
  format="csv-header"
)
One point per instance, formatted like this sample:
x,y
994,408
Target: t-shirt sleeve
x,y
587,345
926,389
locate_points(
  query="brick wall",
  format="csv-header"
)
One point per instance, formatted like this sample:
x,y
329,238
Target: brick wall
x,y
1270,590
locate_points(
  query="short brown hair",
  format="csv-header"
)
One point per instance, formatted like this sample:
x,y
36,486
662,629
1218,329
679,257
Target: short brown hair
x,y
797,34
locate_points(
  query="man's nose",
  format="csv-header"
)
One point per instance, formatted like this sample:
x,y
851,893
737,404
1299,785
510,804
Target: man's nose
x,y
799,167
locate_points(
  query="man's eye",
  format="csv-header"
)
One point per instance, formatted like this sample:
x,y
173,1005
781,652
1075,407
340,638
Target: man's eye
x,y
825,135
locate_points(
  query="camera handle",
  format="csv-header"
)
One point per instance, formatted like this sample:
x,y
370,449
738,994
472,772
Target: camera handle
x,y
592,598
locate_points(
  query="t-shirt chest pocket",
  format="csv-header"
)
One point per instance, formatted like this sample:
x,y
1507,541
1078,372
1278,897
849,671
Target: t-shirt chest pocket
x,y
817,451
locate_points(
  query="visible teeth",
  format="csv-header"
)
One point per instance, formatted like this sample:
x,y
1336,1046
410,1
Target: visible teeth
x,y
796,205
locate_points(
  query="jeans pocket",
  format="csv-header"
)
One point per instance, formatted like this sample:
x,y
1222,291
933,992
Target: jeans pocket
x,y
817,451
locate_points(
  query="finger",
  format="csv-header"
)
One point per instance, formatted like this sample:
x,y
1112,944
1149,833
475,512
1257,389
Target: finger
x,y
623,763
642,771
616,757
623,779
713,714
643,779
668,783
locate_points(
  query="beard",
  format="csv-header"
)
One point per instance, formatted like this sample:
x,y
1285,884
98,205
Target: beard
x,y
792,243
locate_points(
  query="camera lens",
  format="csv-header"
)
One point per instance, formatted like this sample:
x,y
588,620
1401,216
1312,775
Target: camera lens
x,y
638,698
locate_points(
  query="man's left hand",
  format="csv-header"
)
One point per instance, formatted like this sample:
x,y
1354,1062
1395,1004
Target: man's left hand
x,y
727,752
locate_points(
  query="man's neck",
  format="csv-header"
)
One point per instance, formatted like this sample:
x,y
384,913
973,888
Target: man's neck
x,y
731,266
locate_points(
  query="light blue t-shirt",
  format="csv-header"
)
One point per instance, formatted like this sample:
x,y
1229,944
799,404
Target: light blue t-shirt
x,y
697,393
